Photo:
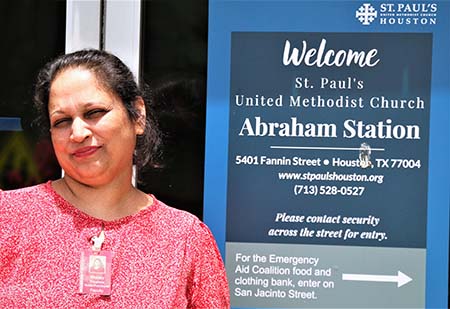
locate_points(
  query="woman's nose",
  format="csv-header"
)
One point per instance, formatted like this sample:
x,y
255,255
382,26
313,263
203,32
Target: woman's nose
x,y
80,130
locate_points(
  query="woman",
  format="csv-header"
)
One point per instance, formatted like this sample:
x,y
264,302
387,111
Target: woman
x,y
156,256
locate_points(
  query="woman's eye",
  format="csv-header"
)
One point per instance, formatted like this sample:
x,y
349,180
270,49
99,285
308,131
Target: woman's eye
x,y
95,113
60,122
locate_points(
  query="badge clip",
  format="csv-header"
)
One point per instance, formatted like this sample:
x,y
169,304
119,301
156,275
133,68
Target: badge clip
x,y
98,240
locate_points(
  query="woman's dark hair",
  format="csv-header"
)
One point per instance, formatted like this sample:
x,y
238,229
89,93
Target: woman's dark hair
x,y
114,76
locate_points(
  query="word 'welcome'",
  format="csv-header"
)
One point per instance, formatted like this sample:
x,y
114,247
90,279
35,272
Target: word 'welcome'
x,y
322,57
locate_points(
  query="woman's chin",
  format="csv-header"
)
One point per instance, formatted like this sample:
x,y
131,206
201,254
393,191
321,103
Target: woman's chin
x,y
89,177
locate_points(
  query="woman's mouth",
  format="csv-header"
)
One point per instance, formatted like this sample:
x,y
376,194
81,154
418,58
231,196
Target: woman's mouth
x,y
85,151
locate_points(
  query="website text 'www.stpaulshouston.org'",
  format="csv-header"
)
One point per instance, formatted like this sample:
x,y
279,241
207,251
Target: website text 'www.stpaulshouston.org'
x,y
331,176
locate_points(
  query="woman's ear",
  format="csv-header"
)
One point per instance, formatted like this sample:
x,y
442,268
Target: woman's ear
x,y
139,105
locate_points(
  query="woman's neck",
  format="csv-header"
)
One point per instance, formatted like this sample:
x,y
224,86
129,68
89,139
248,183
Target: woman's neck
x,y
109,202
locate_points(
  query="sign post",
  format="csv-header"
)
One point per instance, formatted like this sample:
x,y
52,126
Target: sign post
x,y
327,152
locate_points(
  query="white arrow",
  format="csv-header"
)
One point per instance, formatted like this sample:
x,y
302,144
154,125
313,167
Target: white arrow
x,y
401,278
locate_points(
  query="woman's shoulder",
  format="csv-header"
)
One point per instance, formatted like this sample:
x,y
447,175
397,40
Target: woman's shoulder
x,y
181,221
24,197
18,206
25,191
172,214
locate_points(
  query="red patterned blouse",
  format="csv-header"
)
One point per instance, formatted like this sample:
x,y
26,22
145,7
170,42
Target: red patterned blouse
x,y
161,257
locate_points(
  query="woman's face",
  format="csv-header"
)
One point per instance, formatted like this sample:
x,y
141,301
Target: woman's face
x,y
91,132
97,263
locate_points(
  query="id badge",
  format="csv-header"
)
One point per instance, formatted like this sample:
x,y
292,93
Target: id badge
x,y
95,272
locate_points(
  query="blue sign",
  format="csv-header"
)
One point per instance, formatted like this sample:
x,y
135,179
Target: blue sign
x,y
327,152
10,124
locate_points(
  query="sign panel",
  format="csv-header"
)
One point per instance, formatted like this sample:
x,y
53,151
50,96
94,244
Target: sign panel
x,y
335,134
